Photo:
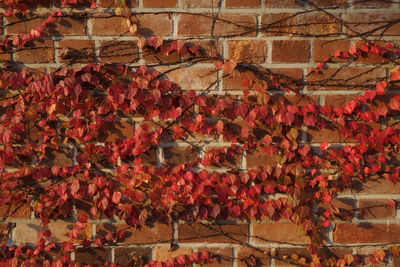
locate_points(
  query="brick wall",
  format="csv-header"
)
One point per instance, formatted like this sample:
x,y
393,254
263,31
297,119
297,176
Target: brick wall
x,y
286,37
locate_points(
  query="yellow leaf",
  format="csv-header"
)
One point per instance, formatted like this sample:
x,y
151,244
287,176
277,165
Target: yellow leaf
x,y
118,11
133,28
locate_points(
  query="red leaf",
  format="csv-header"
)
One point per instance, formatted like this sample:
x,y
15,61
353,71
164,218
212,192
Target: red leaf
x,y
380,87
116,197
348,168
67,246
103,204
324,145
391,203
350,106
244,132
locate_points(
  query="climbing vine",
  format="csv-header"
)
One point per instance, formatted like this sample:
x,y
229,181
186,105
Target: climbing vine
x,y
76,107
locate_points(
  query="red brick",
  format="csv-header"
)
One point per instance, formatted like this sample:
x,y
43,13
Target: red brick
x,y
329,134
372,23
290,51
287,256
286,78
363,253
163,253
132,256
260,158
369,57
12,210
37,52
343,208
309,24
346,79
372,3
92,256
67,26
179,155
210,233
5,54
153,24
147,24
76,50
349,233
325,48
28,232
223,256
158,56
108,26
247,51
247,256
338,100
227,160
273,232
119,51
193,78
62,156
329,3
159,3
114,131
242,3
283,3
224,25
60,26
159,233
376,209
211,49
200,3
113,4
375,185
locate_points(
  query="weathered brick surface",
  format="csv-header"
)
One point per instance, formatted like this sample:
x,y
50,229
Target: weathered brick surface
x,y
348,233
376,209
242,3
326,48
37,52
114,4
156,3
118,51
60,25
290,51
234,234
131,256
224,25
276,40
193,78
93,256
179,155
247,256
247,51
200,3
76,50
361,23
287,24
159,233
28,232
273,233
12,210
163,253
223,256
349,78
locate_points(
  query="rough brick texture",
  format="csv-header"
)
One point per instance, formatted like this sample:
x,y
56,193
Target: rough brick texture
x,y
284,38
